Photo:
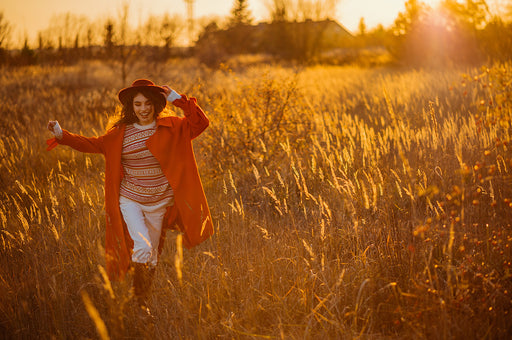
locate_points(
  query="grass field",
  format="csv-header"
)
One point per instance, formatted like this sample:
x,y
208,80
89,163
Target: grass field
x,y
347,203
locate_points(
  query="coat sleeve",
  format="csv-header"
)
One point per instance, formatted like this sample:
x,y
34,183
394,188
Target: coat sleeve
x,y
78,142
195,118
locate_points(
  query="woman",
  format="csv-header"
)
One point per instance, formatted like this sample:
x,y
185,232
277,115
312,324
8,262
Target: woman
x,y
151,179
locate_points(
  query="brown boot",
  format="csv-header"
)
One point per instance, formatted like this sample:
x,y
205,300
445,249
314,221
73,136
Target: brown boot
x,y
142,280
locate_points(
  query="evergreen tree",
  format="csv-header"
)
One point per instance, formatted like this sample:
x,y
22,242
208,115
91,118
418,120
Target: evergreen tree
x,y
362,27
240,14
238,37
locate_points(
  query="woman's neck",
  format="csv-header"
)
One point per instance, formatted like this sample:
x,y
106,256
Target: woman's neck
x,y
146,126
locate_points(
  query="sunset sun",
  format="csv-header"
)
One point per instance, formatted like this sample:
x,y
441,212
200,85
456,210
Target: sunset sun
x,y
432,3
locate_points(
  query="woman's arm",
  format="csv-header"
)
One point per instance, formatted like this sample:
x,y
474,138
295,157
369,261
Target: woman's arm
x,y
77,142
194,115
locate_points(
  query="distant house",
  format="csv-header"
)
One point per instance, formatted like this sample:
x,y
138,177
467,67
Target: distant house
x,y
295,40
336,32
329,31
332,32
306,39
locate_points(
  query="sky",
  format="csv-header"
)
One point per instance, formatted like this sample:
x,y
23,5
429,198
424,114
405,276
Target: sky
x,y
31,16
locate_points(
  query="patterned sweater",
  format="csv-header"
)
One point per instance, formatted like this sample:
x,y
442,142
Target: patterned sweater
x,y
143,180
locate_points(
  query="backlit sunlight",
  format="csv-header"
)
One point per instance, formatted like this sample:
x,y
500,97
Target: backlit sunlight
x,y
432,3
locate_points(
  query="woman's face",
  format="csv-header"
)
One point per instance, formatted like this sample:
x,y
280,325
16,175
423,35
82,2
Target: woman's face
x,y
144,109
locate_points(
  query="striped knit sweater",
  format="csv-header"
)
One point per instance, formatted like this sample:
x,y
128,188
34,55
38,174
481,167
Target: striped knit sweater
x,y
143,180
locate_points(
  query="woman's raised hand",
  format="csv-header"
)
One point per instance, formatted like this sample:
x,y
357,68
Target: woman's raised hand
x,y
167,90
171,94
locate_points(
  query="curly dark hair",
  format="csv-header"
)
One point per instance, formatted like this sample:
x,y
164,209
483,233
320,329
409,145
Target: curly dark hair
x,y
127,115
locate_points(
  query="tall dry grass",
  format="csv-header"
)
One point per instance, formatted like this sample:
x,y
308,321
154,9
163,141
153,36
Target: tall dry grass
x,y
347,202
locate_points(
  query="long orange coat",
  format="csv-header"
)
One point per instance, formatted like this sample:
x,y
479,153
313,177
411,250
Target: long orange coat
x,y
171,144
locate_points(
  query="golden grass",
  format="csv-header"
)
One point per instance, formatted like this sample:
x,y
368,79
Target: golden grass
x,y
347,202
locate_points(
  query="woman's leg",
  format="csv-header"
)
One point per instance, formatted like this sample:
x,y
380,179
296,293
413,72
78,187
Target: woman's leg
x,y
136,223
154,215
144,224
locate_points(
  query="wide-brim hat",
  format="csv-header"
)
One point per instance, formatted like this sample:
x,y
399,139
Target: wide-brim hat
x,y
140,84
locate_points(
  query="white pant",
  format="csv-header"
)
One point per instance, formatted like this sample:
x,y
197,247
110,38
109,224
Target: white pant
x,y
144,224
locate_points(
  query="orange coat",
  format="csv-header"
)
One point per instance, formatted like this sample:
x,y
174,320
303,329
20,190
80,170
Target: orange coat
x,y
171,144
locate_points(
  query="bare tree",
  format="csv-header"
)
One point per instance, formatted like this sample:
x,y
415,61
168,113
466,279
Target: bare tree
x,y
298,27
66,27
190,19
68,32
316,9
150,30
278,9
126,50
300,10
507,12
109,38
170,29
90,37
5,34
5,31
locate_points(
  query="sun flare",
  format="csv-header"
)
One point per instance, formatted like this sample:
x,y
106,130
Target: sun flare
x,y
432,3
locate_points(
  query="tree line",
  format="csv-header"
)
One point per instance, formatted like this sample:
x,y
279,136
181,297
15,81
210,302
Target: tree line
x,y
456,32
